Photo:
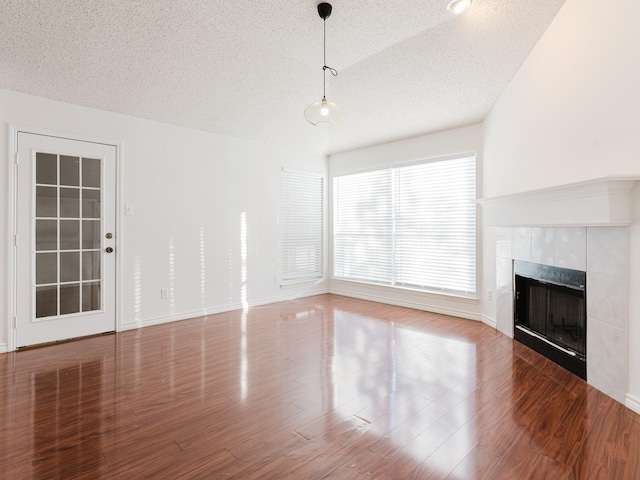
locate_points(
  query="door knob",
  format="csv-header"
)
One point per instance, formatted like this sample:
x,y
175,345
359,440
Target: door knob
x,y
108,249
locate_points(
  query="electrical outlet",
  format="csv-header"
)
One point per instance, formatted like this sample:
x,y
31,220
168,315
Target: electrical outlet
x,y
489,294
164,293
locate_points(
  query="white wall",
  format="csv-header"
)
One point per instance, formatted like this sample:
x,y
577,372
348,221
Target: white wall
x,y
189,191
570,114
449,142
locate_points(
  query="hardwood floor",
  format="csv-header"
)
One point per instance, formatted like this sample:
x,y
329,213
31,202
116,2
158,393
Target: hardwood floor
x,y
325,387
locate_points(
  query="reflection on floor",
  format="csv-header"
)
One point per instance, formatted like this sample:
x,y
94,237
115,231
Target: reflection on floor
x,y
323,387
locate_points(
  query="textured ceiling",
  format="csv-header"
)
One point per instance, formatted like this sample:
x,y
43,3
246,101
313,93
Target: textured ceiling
x,y
248,69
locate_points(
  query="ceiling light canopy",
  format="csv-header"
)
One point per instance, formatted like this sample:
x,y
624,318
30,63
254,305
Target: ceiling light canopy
x,y
458,6
324,113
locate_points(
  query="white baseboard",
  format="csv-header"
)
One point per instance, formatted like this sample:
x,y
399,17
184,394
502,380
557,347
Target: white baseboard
x,y
632,403
4,348
408,304
220,309
491,322
149,322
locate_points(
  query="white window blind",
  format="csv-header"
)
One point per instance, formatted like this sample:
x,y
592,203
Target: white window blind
x,y
301,250
410,226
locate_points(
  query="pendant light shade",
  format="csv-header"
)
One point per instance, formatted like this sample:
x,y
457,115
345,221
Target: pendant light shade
x,y
458,6
324,113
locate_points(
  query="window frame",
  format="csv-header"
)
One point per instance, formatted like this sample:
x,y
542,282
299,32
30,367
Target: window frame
x,y
287,275
430,290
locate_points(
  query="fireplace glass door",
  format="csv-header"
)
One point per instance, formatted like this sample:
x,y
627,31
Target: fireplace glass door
x,y
550,313
555,312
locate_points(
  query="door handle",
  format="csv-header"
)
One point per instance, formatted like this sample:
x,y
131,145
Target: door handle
x,y
108,249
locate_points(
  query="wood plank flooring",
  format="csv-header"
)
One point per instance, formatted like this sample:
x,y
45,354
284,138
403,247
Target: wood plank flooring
x,y
325,387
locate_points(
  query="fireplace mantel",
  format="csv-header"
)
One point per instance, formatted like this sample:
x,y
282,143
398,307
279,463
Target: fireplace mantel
x,y
600,202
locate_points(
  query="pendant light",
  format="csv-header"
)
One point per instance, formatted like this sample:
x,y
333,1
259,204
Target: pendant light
x,y
324,113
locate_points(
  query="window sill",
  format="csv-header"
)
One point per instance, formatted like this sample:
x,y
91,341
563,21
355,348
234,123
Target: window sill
x,y
301,282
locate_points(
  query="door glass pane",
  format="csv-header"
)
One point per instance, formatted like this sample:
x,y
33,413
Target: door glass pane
x,y
46,168
46,268
69,170
46,235
90,203
69,234
69,266
46,301
69,203
91,265
46,202
69,298
91,172
90,234
91,296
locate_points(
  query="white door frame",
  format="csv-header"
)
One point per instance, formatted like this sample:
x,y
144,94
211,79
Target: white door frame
x,y
11,286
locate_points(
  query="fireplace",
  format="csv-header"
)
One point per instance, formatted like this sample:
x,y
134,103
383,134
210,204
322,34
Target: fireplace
x,y
550,313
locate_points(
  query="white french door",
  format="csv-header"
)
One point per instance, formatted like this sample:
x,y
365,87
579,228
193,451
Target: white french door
x,y
65,245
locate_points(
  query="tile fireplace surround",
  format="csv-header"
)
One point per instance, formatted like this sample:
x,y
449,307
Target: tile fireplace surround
x,y
602,253
582,226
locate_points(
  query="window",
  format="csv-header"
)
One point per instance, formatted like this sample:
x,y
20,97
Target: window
x,y
408,226
301,252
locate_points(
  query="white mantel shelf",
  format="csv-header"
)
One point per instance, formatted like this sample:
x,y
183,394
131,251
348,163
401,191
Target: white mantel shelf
x,y
605,201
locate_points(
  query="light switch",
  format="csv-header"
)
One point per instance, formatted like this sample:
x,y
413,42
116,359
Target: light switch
x,y
128,209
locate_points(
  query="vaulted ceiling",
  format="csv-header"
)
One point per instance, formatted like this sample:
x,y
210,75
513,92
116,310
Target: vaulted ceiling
x,y
249,68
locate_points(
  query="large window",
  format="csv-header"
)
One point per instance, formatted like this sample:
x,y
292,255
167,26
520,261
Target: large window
x,y
301,249
409,226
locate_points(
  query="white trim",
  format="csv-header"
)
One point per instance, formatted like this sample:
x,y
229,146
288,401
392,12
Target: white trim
x,y
4,348
603,201
119,199
632,403
221,309
11,273
490,322
417,306
345,283
14,130
302,281
58,134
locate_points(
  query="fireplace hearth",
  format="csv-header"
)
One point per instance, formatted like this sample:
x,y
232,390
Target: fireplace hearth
x,y
550,313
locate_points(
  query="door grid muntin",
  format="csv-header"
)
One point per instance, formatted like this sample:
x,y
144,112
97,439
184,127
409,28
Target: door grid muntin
x,y
67,229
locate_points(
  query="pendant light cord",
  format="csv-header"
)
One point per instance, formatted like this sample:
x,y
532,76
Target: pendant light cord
x,y
333,71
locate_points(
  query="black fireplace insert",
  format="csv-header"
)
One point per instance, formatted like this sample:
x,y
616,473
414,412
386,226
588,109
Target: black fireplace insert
x,y
550,313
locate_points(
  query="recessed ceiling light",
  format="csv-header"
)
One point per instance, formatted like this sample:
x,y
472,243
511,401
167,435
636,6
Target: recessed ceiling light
x,y
458,6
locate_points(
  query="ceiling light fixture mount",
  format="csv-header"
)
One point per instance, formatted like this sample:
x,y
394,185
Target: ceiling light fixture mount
x,y
458,6
324,113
